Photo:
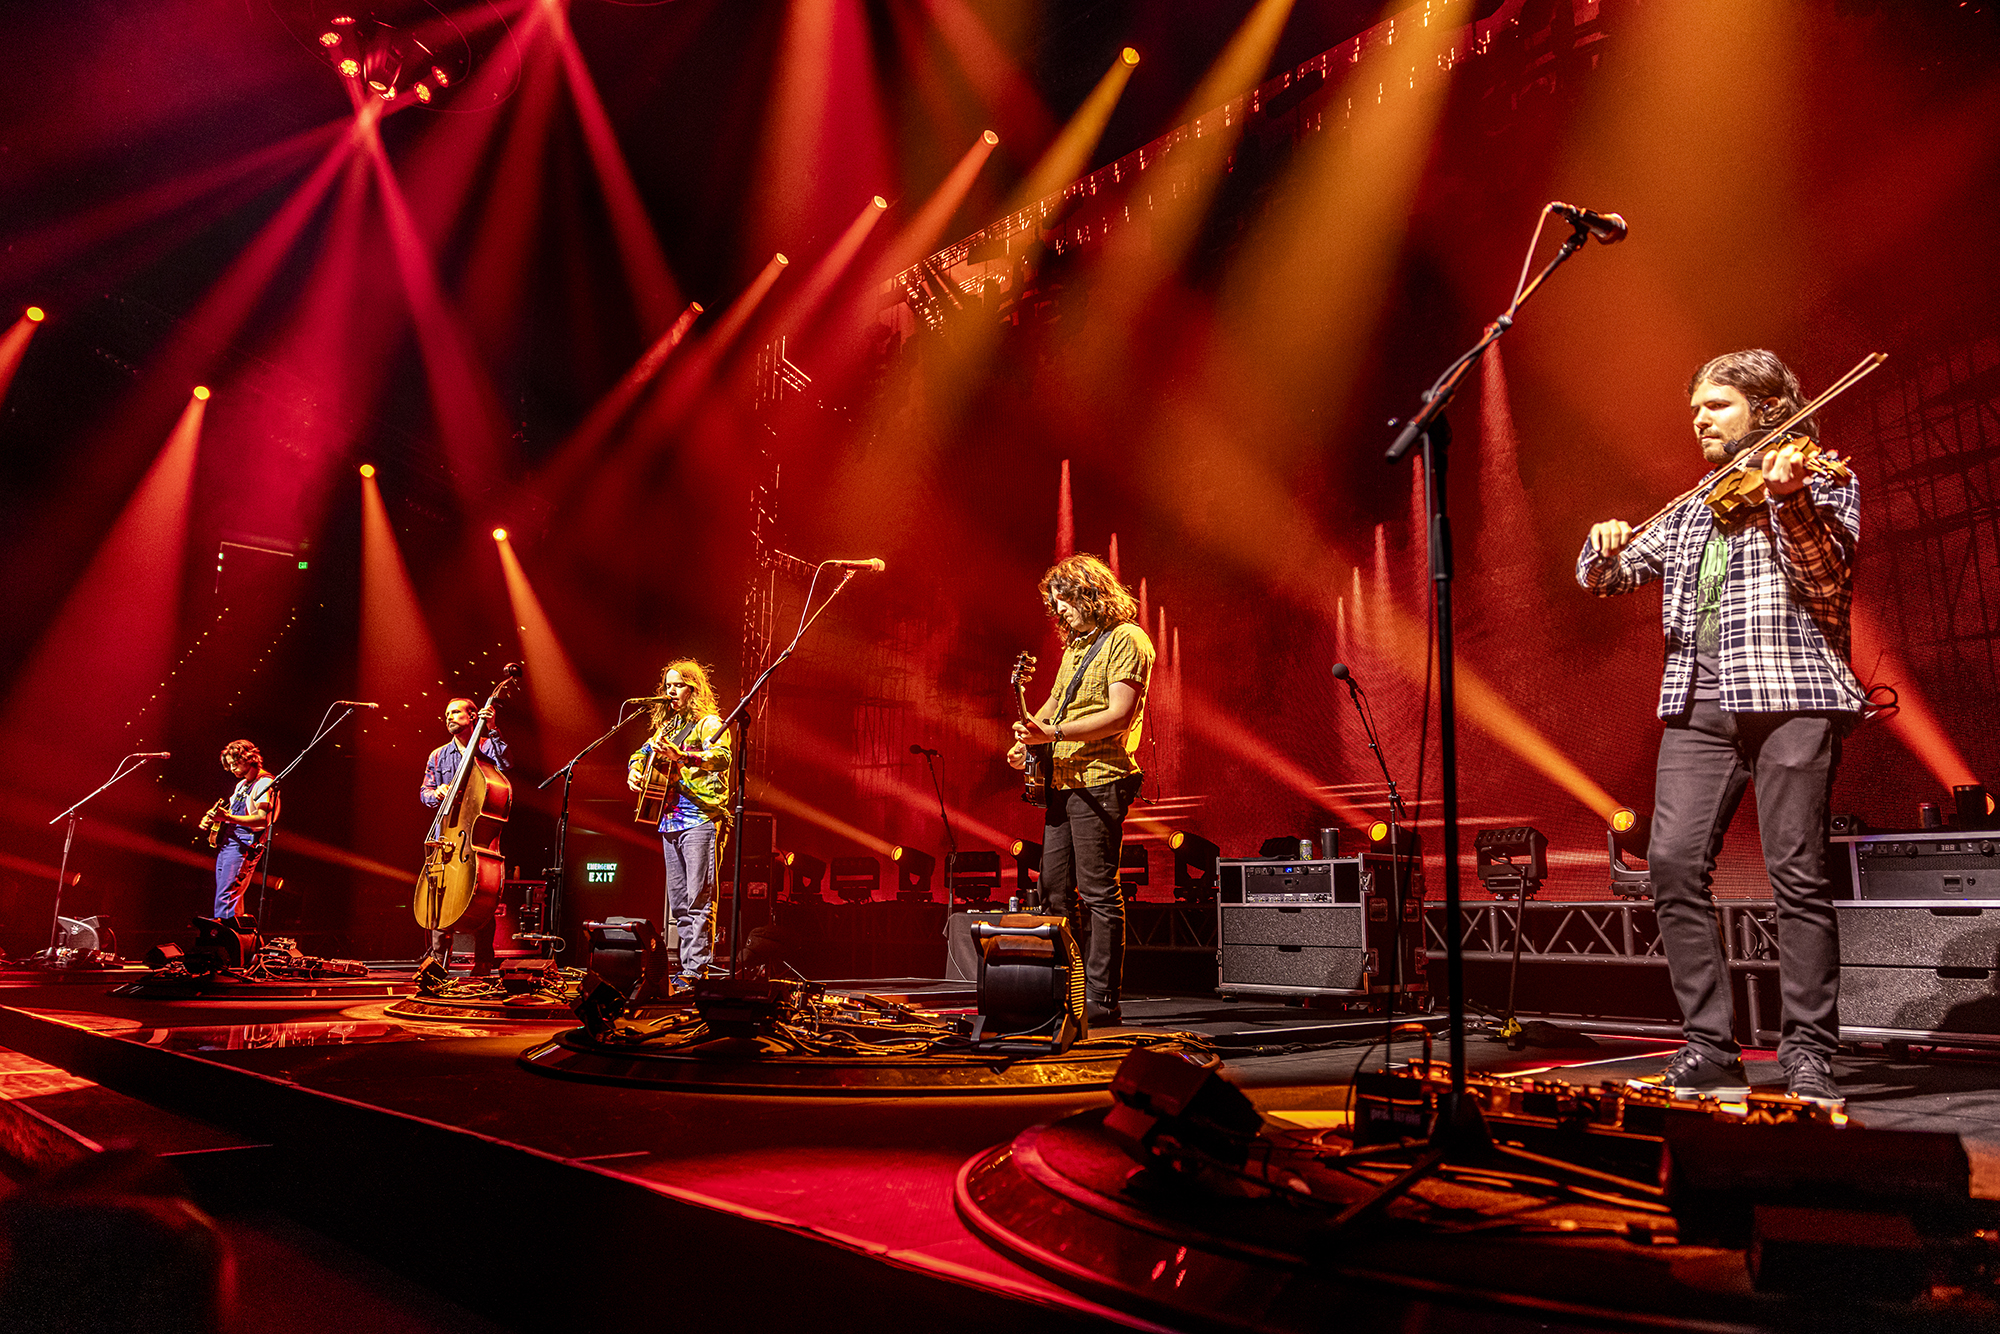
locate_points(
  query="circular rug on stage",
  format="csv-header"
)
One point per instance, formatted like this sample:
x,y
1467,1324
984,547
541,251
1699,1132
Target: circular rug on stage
x,y
538,1007
839,1045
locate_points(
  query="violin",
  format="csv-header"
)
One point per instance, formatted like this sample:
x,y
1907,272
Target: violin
x,y
1739,489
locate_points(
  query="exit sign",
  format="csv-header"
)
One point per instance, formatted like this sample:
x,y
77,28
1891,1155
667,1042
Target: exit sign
x,y
600,873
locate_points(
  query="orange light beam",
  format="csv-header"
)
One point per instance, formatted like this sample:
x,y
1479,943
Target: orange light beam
x,y
14,346
685,386
115,631
1914,722
765,793
1065,159
465,406
1003,90
805,303
1226,733
654,291
399,655
562,704
920,236
571,460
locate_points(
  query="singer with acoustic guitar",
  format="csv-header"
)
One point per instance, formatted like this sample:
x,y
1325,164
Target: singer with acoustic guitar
x,y
238,826
681,775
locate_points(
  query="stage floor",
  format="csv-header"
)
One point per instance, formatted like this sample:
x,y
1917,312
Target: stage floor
x,y
376,1117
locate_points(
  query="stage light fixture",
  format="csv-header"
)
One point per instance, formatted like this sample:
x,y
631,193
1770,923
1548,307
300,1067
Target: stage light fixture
x,y
808,876
781,260
390,59
1129,56
626,952
990,138
1169,1108
1512,862
1027,864
36,314
855,879
880,202
1623,819
975,877
1135,868
1629,835
1384,837
1194,866
499,534
914,868
201,392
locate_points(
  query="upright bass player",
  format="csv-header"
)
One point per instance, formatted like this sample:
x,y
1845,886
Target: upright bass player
x,y
460,716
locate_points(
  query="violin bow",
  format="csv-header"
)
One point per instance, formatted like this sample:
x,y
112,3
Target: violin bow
x,y
1862,370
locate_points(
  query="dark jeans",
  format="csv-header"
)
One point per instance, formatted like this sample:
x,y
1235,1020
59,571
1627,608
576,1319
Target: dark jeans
x,y
1082,836
1706,757
481,940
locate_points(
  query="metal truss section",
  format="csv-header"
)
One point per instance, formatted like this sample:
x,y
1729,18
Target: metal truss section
x,y
1183,928
1598,933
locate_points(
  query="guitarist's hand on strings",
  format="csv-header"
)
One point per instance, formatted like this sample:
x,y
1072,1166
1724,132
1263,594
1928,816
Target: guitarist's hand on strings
x,y
1017,756
1032,734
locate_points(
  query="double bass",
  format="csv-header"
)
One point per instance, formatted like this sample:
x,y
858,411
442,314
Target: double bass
x,y
463,871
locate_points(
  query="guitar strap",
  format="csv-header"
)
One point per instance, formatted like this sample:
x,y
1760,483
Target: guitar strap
x,y
1076,680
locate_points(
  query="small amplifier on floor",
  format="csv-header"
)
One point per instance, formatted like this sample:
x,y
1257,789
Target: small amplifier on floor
x,y
1300,882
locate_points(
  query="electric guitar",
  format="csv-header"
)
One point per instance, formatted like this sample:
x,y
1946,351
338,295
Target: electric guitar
x,y
1041,759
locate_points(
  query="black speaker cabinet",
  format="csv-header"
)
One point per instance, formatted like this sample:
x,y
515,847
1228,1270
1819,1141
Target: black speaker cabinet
x,y
1329,927
1915,969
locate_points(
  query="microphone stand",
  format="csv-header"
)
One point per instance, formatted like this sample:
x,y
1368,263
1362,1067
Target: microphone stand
x,y
950,838
1460,1129
739,717
552,923
271,827
74,814
1399,868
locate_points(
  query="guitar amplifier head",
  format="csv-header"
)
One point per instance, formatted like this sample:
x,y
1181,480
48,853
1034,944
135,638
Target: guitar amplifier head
x,y
1259,881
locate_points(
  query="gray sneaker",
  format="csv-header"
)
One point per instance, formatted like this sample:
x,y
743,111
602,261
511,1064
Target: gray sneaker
x,y
1811,1077
1690,1074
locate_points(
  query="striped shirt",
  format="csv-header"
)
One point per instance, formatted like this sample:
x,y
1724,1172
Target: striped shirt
x,y
1787,601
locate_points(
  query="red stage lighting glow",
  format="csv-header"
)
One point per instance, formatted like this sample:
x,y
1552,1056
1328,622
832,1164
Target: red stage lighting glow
x,y
201,392
35,314
992,139
562,702
14,346
880,202
423,92
499,534
1129,56
350,67
367,470
329,39
780,260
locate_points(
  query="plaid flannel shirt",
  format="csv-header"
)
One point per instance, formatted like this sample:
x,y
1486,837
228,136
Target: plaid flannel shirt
x,y
1786,604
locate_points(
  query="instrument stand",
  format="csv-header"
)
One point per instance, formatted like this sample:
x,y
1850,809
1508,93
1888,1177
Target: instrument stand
x,y
277,784
950,838
1509,1029
551,932
74,814
1400,867
739,717
1459,1133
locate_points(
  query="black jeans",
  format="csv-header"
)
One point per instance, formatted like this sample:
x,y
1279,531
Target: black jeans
x,y
1706,758
1082,836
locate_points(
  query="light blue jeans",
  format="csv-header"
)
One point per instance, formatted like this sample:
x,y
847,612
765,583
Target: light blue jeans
x,y
235,864
690,857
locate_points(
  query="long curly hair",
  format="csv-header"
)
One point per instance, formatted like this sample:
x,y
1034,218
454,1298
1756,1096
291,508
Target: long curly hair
x,y
242,750
699,705
1767,382
1087,583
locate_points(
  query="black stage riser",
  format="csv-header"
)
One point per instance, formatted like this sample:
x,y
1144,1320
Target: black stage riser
x,y
437,1203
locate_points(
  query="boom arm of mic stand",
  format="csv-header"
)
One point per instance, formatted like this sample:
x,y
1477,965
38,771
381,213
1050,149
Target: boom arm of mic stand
x,y
739,717
558,869
1438,397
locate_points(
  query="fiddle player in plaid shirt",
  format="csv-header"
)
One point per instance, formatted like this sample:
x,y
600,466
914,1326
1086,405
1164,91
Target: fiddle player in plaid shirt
x,y
1757,621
